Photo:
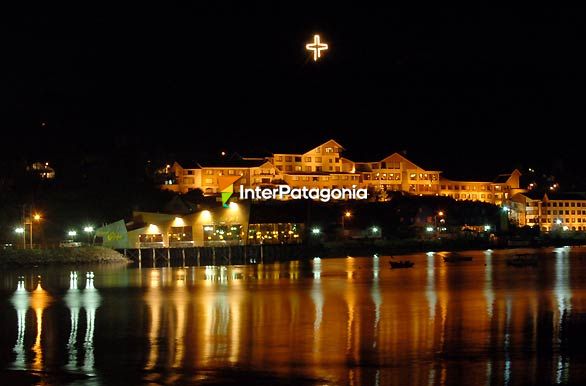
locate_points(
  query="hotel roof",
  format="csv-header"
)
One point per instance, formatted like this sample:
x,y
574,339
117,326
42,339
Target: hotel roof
x,y
232,162
317,173
240,163
295,147
566,196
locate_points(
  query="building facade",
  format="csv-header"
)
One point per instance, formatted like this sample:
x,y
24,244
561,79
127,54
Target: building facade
x,y
216,226
553,211
188,176
324,166
497,192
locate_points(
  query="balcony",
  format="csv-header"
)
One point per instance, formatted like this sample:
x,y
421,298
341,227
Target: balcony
x,y
181,244
152,244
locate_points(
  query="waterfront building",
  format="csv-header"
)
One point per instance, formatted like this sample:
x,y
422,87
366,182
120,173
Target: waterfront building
x,y
217,226
553,211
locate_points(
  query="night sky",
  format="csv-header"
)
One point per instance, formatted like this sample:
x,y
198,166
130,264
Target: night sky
x,y
209,76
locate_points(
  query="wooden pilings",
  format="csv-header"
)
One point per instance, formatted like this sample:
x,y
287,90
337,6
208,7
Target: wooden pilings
x,y
218,255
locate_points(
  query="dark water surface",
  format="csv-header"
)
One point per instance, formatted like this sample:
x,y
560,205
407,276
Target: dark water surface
x,y
347,321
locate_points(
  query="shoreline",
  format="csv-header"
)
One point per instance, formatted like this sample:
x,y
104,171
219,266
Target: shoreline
x,y
103,255
404,247
60,256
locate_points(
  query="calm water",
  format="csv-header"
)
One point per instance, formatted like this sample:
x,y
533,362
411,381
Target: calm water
x,y
347,321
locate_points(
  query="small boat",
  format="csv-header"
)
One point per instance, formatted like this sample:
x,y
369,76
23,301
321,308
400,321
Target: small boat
x,y
402,264
456,258
523,260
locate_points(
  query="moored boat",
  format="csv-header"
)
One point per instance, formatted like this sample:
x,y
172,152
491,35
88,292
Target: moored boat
x,y
402,264
456,258
522,260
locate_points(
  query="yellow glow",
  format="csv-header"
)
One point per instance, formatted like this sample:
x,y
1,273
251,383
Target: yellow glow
x,y
233,206
348,214
39,301
37,217
153,229
440,213
178,222
206,215
317,46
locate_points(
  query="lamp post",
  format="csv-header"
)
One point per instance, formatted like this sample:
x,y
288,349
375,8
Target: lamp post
x,y
439,214
20,231
72,234
346,214
36,217
89,230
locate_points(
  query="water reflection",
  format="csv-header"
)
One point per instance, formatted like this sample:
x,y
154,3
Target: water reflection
x,y
73,302
90,300
39,300
154,302
20,300
563,300
335,321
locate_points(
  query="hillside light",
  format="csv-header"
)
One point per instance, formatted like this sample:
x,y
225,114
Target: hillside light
x,y
374,229
487,228
506,209
19,230
316,231
72,233
429,229
88,229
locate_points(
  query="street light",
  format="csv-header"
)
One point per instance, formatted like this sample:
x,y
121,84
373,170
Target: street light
x,y
315,231
20,231
441,215
89,230
72,233
347,214
36,217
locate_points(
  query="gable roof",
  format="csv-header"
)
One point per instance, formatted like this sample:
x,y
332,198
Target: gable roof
x,y
301,148
565,196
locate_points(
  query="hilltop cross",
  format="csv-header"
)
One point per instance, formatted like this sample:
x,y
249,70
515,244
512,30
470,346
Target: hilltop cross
x,y
317,46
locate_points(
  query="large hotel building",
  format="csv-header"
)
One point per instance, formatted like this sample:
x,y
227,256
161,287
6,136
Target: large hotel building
x,y
324,166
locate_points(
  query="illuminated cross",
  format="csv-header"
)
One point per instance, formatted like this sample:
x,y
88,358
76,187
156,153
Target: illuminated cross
x,y
316,47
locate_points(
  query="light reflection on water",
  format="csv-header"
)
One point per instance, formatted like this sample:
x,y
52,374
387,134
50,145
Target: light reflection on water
x,y
343,321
